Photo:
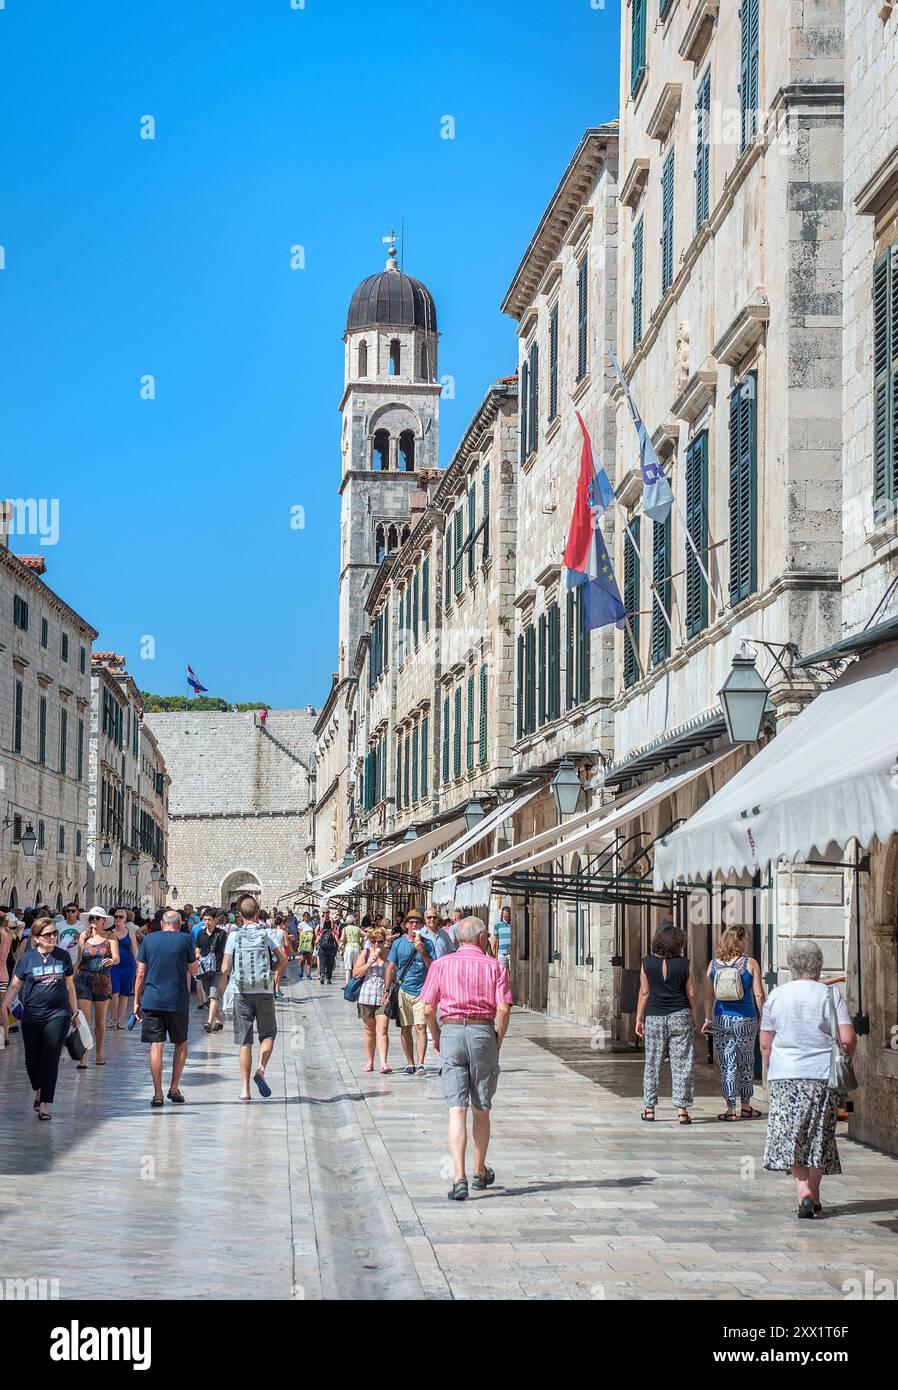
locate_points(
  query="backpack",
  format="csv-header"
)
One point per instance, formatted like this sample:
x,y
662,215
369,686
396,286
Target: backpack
x,y
728,986
252,961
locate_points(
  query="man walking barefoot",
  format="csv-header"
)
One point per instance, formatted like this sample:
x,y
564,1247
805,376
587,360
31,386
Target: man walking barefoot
x,y
166,961
251,956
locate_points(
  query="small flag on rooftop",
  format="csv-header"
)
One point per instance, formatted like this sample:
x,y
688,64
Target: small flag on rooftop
x,y
194,683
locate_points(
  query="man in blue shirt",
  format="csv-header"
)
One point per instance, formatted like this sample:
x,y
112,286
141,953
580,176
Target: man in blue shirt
x,y
409,961
437,938
166,961
501,938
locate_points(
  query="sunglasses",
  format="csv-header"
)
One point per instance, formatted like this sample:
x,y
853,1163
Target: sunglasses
x,y
46,935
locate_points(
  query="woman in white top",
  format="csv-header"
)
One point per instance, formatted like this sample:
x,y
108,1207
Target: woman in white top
x,y
796,1040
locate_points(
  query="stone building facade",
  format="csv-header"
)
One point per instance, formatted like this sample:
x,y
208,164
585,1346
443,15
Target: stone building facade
x,y
44,736
117,791
153,794
564,300
239,803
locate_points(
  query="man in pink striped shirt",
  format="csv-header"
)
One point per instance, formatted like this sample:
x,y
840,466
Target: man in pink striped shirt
x,y
474,997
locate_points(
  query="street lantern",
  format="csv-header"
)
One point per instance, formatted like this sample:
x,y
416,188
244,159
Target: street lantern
x,y
164,885
154,873
174,892
106,855
566,788
371,848
29,840
744,697
348,860
134,866
410,836
473,814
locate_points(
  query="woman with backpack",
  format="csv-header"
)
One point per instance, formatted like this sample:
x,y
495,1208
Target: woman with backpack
x,y
733,985
326,950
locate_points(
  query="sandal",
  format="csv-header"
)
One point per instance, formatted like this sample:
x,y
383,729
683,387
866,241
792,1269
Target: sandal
x,y
729,1115
459,1191
176,1098
157,1103
684,1118
648,1113
482,1180
42,1115
748,1113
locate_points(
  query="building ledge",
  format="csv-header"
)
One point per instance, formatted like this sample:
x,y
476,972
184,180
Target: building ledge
x,y
634,184
880,189
524,598
662,118
698,391
667,436
549,575
744,331
629,488
695,40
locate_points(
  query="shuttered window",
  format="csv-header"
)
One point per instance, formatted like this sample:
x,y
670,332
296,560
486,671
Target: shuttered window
x,y
637,284
885,377
553,364
63,739
750,16
79,769
582,316
703,150
542,702
661,595
425,594
582,649
416,611
697,524
522,409
533,409
42,730
554,663
529,679
472,526
408,619
667,223
405,773
399,773
743,489
631,602
447,588
637,43
569,683
458,523
424,738
486,511
484,711
469,756
520,701
17,725
446,738
416,753
457,750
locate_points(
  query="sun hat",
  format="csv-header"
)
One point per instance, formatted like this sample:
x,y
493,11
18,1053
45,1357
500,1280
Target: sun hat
x,y
97,912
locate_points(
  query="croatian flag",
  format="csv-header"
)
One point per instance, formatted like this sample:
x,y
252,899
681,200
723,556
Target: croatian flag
x,y
657,498
586,555
193,682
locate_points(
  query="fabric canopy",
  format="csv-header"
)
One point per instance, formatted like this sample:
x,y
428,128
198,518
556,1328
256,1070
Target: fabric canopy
x,y
415,849
339,890
442,865
614,815
829,777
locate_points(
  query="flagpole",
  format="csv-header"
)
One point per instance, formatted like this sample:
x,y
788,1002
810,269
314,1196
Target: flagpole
x,y
661,609
635,645
701,564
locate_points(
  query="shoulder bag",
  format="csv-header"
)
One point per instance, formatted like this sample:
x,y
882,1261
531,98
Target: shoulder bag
x,y
841,1069
390,1002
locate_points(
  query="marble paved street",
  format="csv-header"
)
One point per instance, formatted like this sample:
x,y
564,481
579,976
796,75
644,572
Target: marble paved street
x,y
336,1187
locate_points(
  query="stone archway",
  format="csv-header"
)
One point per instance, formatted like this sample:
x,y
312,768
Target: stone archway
x,y
237,882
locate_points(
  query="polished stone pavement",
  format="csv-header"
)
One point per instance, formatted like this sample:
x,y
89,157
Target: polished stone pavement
x,y
336,1187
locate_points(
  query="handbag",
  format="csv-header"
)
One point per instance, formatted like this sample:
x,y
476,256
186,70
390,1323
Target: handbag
x,y
353,989
391,996
841,1069
74,1045
208,964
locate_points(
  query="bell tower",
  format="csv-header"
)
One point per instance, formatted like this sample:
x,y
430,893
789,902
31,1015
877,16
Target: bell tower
x,y
390,410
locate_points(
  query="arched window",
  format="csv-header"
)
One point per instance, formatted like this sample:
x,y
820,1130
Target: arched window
x,y
424,372
392,540
14,900
381,453
405,534
380,547
363,358
395,357
407,451
58,902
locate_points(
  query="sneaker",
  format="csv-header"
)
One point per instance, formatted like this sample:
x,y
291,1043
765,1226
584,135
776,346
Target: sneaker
x,y
420,1071
408,1071
482,1180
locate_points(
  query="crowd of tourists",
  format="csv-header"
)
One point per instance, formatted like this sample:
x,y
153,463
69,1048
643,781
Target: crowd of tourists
x,y
68,978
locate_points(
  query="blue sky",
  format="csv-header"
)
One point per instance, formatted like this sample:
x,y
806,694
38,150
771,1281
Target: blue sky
x,y
127,257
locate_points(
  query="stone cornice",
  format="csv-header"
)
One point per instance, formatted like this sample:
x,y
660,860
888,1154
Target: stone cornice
x,y
634,184
699,30
698,391
388,386
25,576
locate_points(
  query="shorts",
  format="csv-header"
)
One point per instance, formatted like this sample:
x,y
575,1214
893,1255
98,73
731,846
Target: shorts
x,y
470,1056
212,985
253,1008
95,985
160,1025
350,956
370,1010
411,1009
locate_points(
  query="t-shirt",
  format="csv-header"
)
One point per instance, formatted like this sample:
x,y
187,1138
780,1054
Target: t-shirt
x,y
306,939
215,940
413,979
502,930
166,955
439,942
798,1013
352,935
44,993
68,939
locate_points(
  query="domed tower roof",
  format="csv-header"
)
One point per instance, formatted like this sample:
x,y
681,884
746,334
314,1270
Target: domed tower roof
x,y
392,299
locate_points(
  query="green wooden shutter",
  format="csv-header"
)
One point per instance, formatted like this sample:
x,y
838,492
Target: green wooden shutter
x,y
415,607
582,650
553,363
637,283
458,522
529,679
408,618
743,489
631,602
445,738
406,800
569,685
885,376
472,526
750,16
703,150
447,544
554,662
457,750
469,757
425,593
697,525
424,734
667,223
486,510
893,373
533,439
522,409
520,700
399,772
416,753
661,594
582,316
637,43
541,671
484,711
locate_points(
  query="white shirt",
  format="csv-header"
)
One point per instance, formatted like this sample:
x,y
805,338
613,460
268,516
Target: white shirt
x,y
798,1013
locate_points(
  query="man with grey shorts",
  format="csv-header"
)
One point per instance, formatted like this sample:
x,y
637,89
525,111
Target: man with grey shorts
x,y
253,1006
471,990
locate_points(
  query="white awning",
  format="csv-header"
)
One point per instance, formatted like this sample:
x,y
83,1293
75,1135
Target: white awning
x,y
475,893
415,849
441,866
618,813
829,777
351,884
